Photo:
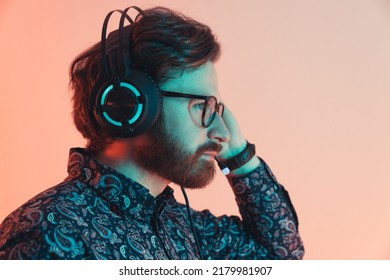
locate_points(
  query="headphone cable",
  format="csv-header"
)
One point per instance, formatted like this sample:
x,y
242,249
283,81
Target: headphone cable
x,y
191,223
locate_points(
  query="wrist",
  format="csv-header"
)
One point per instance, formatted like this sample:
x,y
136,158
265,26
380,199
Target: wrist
x,y
248,167
242,161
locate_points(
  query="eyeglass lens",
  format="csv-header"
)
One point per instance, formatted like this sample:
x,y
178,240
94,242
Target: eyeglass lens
x,y
210,109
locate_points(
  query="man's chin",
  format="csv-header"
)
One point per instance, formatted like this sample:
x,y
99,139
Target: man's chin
x,y
201,178
195,187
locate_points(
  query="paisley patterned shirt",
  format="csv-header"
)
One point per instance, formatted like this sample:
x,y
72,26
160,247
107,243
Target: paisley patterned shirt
x,y
98,213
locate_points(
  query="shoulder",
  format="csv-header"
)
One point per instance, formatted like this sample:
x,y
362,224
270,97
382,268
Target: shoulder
x,y
31,227
49,200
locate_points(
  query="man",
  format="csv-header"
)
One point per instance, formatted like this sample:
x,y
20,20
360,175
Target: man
x,y
115,203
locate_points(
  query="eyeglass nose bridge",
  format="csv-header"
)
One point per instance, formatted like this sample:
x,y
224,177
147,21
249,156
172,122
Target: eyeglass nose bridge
x,y
220,108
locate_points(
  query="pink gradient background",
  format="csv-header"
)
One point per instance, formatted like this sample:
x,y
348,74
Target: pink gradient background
x,y
309,81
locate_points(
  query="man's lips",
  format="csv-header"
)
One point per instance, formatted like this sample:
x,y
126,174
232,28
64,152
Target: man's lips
x,y
210,156
209,150
211,153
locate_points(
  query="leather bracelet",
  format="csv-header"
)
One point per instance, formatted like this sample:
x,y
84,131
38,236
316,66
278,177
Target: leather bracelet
x,y
240,159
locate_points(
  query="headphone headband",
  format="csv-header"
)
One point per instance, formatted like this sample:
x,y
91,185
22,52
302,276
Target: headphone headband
x,y
105,24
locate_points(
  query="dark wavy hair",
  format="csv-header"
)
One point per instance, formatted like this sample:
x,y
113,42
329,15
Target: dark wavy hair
x,y
162,42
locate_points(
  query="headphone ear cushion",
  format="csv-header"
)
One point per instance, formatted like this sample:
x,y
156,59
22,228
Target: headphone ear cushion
x,y
129,106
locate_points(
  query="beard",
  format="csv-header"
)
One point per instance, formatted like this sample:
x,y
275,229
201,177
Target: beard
x,y
169,158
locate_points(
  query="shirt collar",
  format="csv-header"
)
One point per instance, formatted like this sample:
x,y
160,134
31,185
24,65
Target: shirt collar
x,y
124,195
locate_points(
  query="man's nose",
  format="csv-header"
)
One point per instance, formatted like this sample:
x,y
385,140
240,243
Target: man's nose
x,y
218,130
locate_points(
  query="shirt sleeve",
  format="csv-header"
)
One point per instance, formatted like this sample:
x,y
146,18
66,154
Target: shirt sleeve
x,y
268,228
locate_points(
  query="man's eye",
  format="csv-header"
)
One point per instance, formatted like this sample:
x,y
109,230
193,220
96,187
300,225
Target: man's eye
x,y
199,106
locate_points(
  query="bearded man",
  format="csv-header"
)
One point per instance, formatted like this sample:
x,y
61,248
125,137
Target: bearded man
x,y
146,100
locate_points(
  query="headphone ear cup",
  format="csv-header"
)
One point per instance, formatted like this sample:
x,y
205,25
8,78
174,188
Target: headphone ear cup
x,y
129,106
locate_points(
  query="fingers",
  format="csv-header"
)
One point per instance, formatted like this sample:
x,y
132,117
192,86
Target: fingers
x,y
237,141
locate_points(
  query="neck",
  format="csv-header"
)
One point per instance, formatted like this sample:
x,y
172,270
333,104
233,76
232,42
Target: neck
x,y
120,156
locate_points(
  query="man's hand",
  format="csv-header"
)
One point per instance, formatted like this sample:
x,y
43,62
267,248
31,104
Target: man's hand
x,y
237,141
236,145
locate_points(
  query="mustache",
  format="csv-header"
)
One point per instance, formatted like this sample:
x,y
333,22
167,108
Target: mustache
x,y
208,147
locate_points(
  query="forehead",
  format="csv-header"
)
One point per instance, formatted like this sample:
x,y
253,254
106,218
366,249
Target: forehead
x,y
201,81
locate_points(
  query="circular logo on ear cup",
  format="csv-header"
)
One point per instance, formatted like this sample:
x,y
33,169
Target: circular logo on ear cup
x,y
128,107
122,105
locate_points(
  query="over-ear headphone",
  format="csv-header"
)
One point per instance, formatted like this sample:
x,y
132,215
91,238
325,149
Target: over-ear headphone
x,y
125,102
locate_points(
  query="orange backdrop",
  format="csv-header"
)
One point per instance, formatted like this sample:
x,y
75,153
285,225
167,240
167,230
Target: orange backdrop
x,y
309,81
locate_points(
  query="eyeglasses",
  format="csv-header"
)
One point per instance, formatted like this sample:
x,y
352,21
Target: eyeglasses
x,y
210,106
